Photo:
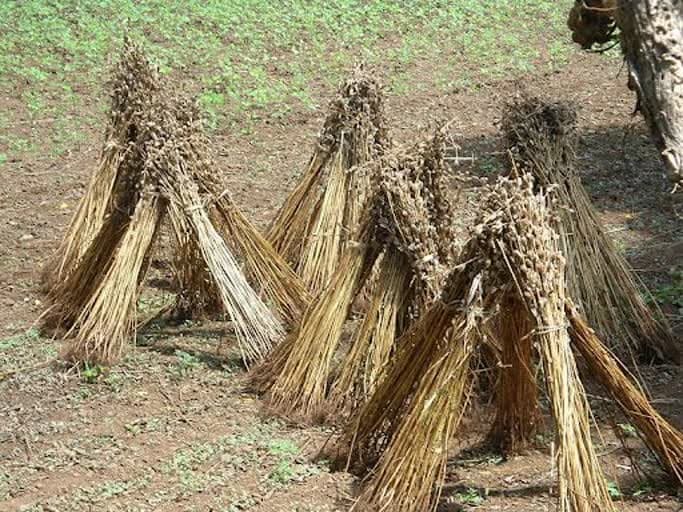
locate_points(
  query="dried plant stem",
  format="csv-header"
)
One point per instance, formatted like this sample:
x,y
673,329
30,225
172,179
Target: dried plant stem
x,y
134,83
374,339
108,320
517,413
582,486
88,218
322,251
268,270
358,195
70,295
301,386
542,139
610,293
371,428
197,295
287,233
665,441
415,459
525,250
256,328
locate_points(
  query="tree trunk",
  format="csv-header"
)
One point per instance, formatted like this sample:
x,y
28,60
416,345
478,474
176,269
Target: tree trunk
x,y
652,41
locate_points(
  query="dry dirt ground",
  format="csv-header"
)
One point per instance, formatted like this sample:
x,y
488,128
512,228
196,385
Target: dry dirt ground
x,y
172,427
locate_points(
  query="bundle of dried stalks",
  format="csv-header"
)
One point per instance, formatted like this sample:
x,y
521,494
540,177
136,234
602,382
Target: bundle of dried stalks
x,y
372,427
108,320
542,138
196,293
415,458
70,294
665,441
300,385
265,268
312,227
292,223
105,315
410,182
410,275
525,247
134,82
402,220
167,170
269,272
517,411
433,172
186,175
374,340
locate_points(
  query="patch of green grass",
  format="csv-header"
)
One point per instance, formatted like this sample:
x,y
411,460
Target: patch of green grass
x,y
614,491
287,471
671,293
281,447
186,363
25,349
111,489
489,165
91,374
471,497
628,429
19,340
254,59
283,473
5,486
114,381
145,425
642,490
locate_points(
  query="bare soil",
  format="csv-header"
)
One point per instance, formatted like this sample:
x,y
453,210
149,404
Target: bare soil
x,y
176,431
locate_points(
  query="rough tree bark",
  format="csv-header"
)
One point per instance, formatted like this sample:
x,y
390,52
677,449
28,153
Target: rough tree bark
x,y
652,41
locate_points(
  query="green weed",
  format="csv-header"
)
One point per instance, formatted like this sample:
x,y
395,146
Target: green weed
x,y
643,489
470,497
186,363
91,374
672,293
614,491
628,429
19,340
280,447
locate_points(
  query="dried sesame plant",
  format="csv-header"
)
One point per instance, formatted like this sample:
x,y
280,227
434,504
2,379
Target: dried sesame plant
x,y
303,380
186,170
402,431
665,441
298,373
167,169
400,436
541,138
518,417
70,294
134,82
265,269
105,320
525,248
415,220
264,266
373,341
314,224
414,458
